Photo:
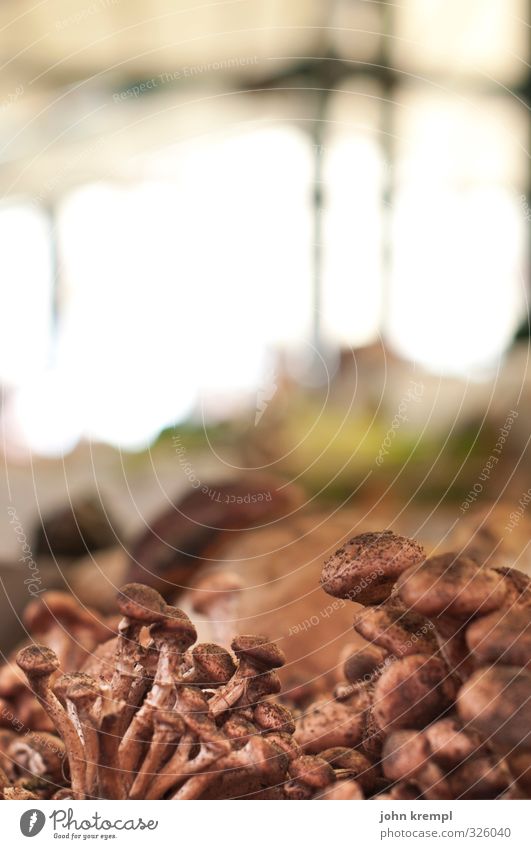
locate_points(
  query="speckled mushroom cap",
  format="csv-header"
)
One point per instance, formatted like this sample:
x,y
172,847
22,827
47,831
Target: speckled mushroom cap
x,y
78,687
213,663
451,585
273,717
412,692
239,730
393,627
326,724
495,701
450,743
404,753
141,603
37,660
504,635
351,763
312,770
176,624
268,759
55,606
367,566
518,586
362,663
259,650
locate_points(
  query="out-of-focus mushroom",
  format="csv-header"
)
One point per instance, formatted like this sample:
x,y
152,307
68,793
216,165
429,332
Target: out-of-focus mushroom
x,y
449,585
215,597
503,636
412,692
64,625
73,530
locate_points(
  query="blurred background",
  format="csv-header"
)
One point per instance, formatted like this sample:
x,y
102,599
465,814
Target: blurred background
x,y
251,237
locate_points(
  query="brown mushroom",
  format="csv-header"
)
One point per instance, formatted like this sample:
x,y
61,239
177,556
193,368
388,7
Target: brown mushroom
x,y
504,636
449,585
412,692
327,724
401,632
39,664
496,702
367,566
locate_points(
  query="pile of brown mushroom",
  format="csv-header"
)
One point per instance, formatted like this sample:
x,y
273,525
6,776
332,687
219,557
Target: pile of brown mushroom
x,y
435,705
151,715
439,699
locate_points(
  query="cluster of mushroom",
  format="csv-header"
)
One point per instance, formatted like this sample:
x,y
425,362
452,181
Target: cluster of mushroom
x,y
151,715
435,705
54,619
438,701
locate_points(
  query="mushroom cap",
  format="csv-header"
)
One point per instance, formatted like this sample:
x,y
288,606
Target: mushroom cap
x,y
286,742
400,631
273,717
268,759
78,687
365,568
451,585
55,606
518,587
37,660
297,791
450,743
504,635
213,663
495,701
212,588
141,603
312,770
262,685
342,791
327,724
520,765
401,791
335,753
175,624
350,763
404,754
362,663
479,778
412,692
239,730
259,650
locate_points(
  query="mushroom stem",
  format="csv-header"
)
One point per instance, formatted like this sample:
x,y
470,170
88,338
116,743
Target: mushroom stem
x,y
171,772
39,664
169,726
257,755
110,775
170,645
194,787
82,692
179,767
